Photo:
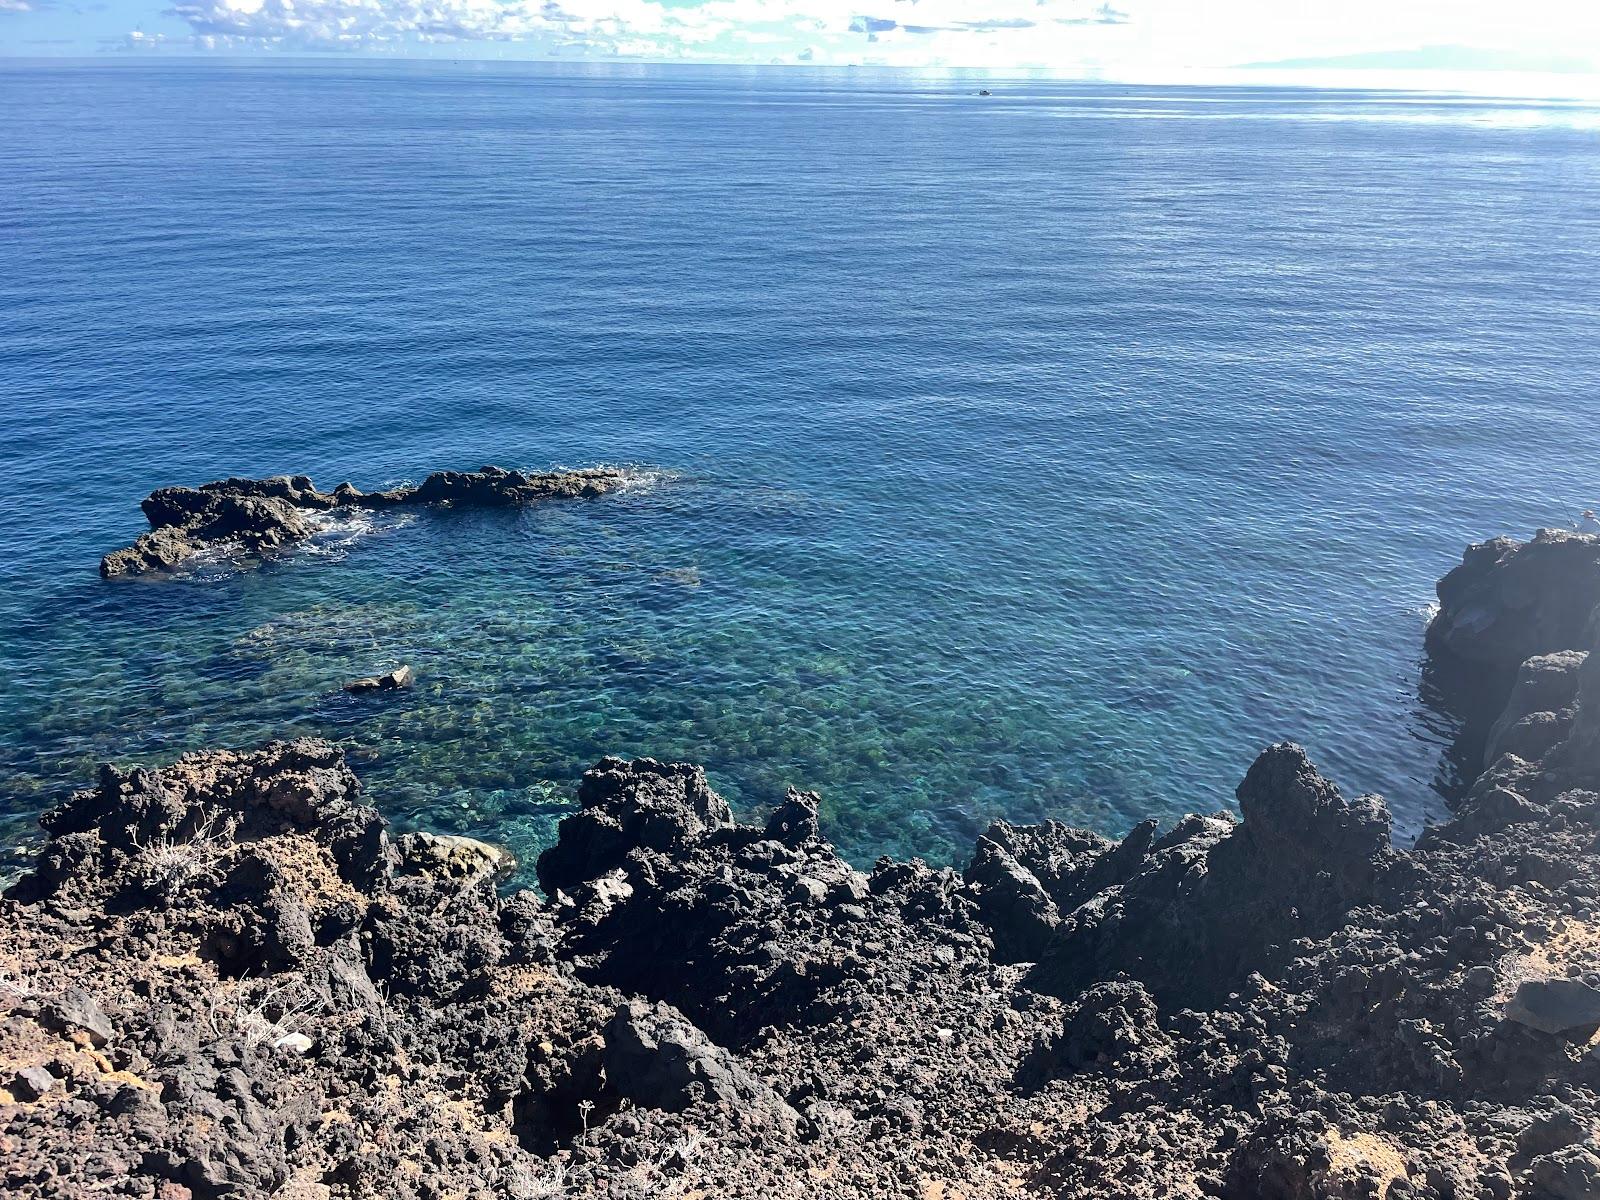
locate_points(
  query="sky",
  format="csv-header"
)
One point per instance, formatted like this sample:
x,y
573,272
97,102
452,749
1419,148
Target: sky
x,y
1099,38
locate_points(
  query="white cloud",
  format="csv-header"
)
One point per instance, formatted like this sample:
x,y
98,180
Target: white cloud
x,y
358,23
998,33
830,29
137,40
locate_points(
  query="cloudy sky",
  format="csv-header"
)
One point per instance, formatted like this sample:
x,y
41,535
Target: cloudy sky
x,y
1130,38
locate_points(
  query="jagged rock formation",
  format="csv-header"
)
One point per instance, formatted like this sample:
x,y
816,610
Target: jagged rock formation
x,y
1514,616
226,979
1509,601
257,515
1511,651
1194,912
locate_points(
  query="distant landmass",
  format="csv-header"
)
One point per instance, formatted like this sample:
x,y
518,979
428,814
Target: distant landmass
x,y
1440,58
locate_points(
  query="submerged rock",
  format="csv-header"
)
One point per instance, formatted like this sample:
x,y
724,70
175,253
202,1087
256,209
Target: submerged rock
x,y
257,515
399,678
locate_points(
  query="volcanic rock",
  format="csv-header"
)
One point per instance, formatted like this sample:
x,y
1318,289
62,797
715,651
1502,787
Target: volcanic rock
x,y
32,1083
451,856
1191,917
657,1059
258,515
720,1006
78,1012
1012,901
1509,602
1555,1005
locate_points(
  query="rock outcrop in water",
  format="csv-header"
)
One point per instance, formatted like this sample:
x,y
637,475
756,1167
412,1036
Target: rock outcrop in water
x,y
258,515
225,978
1515,615
396,680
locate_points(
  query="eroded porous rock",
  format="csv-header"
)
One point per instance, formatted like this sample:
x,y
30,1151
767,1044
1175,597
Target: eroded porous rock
x,y
286,998
626,807
1576,759
1191,914
1013,903
225,978
258,515
453,856
1515,641
768,924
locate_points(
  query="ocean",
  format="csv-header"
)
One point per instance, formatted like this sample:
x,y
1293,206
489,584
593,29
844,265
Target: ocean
x,y
1037,455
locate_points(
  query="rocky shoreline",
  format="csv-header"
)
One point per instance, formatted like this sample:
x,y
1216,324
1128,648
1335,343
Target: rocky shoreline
x,y
227,978
258,515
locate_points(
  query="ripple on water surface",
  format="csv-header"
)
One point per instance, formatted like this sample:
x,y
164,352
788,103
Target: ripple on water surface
x,y
1042,457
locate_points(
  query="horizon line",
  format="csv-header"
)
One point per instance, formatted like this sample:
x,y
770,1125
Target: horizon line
x,y
1350,78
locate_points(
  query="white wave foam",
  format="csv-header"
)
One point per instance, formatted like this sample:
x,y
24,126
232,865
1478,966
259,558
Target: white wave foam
x,y
337,531
638,479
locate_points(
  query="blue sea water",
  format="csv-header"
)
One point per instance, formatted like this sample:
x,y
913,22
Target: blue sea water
x,y
1037,455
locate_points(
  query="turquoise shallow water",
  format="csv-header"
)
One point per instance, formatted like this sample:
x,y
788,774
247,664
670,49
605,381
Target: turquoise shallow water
x,y
1040,455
